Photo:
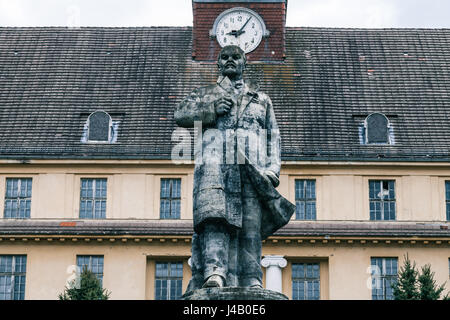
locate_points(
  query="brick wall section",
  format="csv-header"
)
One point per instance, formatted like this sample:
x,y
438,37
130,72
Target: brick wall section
x,y
272,48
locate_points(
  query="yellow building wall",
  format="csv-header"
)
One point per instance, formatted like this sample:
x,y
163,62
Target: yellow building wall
x,y
133,189
129,268
133,193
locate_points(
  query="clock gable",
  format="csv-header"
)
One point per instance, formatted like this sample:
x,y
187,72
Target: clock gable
x,y
206,46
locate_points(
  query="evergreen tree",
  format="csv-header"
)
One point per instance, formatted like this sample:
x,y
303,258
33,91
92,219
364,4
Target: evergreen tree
x,y
428,290
90,288
406,286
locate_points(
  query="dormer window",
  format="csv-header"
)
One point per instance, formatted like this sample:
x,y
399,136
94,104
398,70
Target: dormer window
x,y
100,128
377,129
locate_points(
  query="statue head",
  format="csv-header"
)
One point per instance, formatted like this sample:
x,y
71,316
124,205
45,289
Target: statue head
x,y
232,62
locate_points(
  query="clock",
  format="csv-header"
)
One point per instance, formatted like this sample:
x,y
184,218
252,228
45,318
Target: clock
x,y
241,27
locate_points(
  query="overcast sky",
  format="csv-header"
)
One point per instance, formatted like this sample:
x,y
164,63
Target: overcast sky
x,y
311,13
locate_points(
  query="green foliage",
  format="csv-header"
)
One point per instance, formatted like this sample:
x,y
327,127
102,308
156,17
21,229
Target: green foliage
x,y
406,286
427,285
90,288
412,285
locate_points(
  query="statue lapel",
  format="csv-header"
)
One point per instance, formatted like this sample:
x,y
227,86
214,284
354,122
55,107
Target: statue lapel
x,y
248,96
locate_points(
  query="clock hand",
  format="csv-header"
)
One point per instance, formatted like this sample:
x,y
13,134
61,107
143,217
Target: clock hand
x,y
240,31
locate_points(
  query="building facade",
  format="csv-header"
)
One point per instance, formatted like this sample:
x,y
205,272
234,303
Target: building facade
x,y
87,134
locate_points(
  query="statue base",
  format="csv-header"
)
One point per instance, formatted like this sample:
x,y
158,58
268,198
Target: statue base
x,y
234,293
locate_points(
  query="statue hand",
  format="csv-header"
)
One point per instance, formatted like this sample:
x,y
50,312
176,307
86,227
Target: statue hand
x,y
223,105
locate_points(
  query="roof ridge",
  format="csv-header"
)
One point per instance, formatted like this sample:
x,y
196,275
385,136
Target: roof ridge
x,y
364,29
95,27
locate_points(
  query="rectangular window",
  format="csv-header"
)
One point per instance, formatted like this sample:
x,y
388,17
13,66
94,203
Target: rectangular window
x,y
382,199
12,277
93,199
170,199
384,275
168,280
305,199
93,264
305,281
18,198
447,199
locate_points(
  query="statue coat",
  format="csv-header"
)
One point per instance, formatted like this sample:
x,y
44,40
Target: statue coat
x,y
217,178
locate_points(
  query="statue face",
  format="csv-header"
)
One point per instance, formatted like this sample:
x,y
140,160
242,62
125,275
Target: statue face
x,y
231,62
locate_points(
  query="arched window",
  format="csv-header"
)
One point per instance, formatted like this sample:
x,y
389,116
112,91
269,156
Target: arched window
x,y
99,127
377,129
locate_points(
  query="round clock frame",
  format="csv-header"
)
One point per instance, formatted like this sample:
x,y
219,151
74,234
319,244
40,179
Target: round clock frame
x,y
239,26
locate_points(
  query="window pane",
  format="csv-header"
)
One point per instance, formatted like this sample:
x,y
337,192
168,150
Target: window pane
x,y
384,274
382,199
12,277
93,264
447,190
93,198
5,287
162,270
374,189
170,199
391,190
299,189
447,198
165,188
164,209
311,210
176,188
175,214
305,281
6,263
12,188
298,290
305,196
17,198
168,280
300,210
310,189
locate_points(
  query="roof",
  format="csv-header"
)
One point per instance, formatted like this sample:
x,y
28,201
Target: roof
x,y
111,227
52,78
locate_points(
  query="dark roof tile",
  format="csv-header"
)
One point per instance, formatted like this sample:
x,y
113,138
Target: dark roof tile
x,y
51,79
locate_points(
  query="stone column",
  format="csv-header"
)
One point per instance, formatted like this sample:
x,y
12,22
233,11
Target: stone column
x,y
274,264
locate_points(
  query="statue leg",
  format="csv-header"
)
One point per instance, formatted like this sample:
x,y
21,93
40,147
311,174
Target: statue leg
x,y
196,281
250,243
233,254
215,240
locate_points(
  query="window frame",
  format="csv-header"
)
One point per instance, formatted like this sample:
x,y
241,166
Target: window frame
x,y
306,279
169,279
19,198
383,201
305,199
14,274
110,128
170,198
94,198
91,256
447,199
388,131
383,277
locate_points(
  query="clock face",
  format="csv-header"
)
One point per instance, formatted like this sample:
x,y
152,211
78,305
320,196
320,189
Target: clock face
x,y
241,27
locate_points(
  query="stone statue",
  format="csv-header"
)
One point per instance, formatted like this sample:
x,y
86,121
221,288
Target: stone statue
x,y
237,166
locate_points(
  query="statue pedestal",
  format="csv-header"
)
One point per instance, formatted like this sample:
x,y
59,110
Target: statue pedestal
x,y
234,293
